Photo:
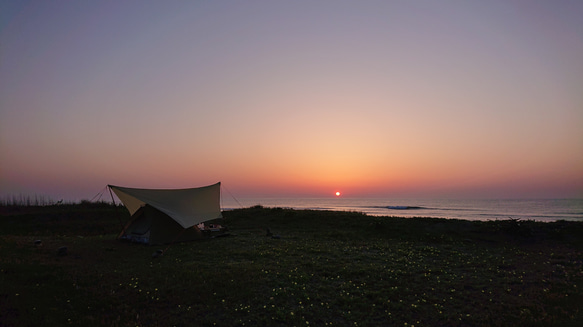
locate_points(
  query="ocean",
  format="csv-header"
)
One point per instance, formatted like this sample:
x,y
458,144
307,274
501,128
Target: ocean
x,y
539,210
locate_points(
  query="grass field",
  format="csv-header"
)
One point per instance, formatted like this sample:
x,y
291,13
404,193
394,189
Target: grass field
x,y
323,269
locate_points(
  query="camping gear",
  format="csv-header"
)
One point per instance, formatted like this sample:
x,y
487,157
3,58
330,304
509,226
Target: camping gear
x,y
162,216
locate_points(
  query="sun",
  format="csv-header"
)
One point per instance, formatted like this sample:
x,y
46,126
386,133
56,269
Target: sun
x,y
337,193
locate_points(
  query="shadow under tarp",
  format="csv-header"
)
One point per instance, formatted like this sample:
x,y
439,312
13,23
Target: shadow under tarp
x,y
151,226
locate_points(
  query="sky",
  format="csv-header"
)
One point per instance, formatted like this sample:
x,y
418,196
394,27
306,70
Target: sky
x,y
372,98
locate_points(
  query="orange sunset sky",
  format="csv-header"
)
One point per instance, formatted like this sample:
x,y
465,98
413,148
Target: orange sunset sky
x,y
293,98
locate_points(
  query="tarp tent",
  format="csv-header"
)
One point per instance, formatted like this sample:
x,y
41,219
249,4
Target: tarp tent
x,y
168,215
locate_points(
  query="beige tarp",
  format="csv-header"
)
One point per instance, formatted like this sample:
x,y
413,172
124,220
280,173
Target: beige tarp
x,y
188,207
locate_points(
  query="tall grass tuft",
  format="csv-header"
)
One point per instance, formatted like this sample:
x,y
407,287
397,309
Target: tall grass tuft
x,y
27,200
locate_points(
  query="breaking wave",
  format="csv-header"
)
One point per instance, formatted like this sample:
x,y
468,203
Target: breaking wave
x,y
404,207
399,207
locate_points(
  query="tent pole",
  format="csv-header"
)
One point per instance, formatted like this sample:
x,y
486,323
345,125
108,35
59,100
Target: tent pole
x,y
110,193
113,200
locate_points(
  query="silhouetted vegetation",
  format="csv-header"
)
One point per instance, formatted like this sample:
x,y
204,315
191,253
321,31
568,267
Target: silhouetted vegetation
x,y
283,267
21,200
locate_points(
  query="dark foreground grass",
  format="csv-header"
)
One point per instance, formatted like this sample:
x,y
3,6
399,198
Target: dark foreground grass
x,y
326,268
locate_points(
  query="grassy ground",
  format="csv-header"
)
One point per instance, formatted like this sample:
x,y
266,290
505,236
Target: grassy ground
x,y
324,268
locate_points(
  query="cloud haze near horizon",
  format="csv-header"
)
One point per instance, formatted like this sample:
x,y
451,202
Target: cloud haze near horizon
x,y
396,98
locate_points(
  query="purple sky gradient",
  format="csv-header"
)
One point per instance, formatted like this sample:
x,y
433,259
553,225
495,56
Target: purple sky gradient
x,y
302,98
